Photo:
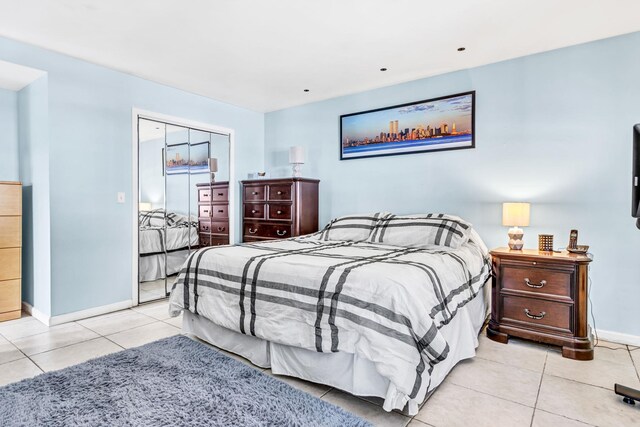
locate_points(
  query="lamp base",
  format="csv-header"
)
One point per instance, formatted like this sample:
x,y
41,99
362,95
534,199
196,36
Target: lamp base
x,y
296,173
515,238
213,177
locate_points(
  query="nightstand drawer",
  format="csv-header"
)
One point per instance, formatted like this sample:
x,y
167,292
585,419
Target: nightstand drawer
x,y
536,312
537,280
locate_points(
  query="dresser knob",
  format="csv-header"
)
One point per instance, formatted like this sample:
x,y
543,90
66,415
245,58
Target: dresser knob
x,y
279,212
534,285
279,193
534,316
534,263
254,211
220,228
255,193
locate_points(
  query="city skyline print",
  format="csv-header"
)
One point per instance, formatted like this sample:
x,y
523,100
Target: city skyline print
x,y
445,123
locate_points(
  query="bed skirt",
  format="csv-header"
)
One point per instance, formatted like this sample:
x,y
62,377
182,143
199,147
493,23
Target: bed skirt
x,y
346,371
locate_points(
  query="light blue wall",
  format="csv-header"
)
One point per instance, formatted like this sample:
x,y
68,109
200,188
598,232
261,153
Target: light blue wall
x,y
90,161
8,135
33,119
553,129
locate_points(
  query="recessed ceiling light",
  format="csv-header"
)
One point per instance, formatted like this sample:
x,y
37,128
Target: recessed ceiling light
x,y
306,90
461,49
383,69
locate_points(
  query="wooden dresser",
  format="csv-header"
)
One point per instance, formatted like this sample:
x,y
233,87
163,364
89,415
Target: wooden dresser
x,y
213,213
279,208
10,250
541,296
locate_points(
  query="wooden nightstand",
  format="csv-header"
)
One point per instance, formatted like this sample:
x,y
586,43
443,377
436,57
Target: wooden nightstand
x,y
541,296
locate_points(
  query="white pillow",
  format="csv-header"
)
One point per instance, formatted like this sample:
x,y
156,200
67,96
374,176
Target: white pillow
x,y
351,227
421,230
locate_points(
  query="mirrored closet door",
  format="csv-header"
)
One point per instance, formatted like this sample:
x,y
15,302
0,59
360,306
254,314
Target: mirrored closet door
x,y
183,200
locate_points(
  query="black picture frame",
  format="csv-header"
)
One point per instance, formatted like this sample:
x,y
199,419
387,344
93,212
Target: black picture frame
x,y
466,138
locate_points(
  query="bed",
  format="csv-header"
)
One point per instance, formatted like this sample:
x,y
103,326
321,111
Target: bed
x,y
163,250
350,306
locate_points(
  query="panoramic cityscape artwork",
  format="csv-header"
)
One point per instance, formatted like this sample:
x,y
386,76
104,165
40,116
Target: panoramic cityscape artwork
x,y
445,123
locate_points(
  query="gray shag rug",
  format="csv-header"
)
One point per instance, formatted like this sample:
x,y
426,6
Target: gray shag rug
x,y
171,382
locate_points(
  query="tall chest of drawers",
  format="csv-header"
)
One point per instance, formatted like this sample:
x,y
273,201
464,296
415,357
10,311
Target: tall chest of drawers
x,y
10,250
279,208
213,213
541,296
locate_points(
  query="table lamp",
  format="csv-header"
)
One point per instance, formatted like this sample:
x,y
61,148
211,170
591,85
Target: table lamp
x,y
213,168
296,158
515,215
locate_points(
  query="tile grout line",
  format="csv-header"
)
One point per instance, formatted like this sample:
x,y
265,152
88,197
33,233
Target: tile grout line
x,y
535,405
492,395
633,362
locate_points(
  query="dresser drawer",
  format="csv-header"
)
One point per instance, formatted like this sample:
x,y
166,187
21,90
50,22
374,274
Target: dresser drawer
x,y
253,193
214,227
271,231
204,195
10,231
280,191
254,210
10,298
10,199
532,311
220,194
279,211
213,211
537,280
213,240
10,263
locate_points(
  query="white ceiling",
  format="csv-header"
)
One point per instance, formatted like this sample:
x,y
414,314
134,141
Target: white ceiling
x,y
15,77
261,54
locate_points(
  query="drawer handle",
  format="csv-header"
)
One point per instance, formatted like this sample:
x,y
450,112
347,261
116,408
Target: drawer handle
x,y
534,285
205,194
205,227
534,316
254,193
252,231
279,193
220,228
253,211
220,194
279,212
281,232
220,210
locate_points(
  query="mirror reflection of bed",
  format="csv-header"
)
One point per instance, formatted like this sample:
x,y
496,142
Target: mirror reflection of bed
x,y
173,164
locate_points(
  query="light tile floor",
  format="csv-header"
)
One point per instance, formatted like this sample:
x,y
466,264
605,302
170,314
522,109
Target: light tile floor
x,y
519,384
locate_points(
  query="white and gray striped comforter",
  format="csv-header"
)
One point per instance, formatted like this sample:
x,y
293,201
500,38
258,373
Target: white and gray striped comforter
x,y
384,303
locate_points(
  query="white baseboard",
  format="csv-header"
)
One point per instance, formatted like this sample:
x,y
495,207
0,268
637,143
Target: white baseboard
x,y
35,313
619,338
76,315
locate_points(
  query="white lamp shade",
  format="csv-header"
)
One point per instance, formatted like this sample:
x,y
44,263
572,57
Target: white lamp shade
x,y
296,154
515,214
213,164
144,206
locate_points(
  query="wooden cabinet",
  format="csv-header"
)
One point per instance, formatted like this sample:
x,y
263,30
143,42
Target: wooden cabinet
x,y
213,213
10,250
279,208
541,296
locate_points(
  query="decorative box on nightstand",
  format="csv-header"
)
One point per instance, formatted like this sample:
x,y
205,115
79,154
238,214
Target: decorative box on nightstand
x,y
541,296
